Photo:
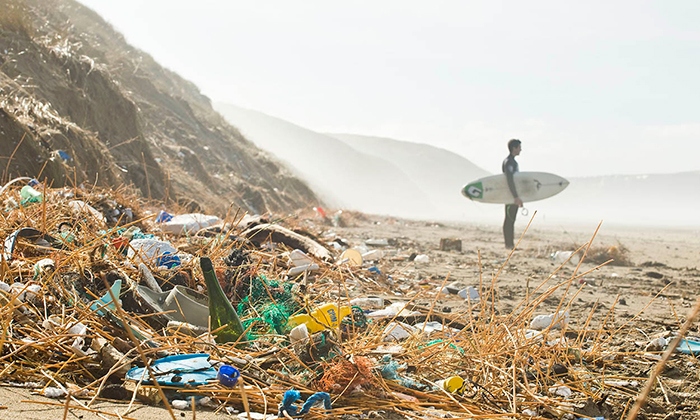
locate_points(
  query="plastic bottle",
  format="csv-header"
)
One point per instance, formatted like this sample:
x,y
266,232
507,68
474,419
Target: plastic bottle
x,y
30,195
370,302
325,316
221,311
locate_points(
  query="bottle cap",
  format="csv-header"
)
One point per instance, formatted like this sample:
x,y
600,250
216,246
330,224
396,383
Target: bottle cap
x,y
228,376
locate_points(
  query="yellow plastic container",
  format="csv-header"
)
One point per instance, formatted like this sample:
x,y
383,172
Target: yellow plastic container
x,y
453,384
325,316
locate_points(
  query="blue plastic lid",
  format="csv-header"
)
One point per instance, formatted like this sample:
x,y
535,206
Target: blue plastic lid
x,y
228,376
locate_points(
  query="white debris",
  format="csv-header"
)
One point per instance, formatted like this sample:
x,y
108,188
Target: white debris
x,y
189,223
396,331
80,207
557,321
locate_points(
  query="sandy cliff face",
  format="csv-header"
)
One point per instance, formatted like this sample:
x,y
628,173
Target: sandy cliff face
x,y
70,82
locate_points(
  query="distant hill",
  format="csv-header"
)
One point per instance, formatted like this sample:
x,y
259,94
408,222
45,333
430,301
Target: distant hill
x,y
369,174
438,172
386,176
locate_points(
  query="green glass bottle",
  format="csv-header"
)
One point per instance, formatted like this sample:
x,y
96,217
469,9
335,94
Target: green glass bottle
x,y
221,311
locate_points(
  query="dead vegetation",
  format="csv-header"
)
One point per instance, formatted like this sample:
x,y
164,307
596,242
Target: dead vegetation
x,y
587,368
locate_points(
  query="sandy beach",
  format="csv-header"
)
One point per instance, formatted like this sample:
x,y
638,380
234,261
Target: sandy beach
x,y
653,290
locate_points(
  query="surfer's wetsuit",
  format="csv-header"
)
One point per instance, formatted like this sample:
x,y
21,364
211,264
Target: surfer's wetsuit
x,y
509,167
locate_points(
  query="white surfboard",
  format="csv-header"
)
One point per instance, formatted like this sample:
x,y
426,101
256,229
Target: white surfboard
x,y
531,186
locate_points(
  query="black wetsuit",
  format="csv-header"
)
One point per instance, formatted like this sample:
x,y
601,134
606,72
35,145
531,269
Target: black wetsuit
x,y
509,167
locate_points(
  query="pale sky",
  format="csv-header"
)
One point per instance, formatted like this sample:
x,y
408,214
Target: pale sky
x,y
591,88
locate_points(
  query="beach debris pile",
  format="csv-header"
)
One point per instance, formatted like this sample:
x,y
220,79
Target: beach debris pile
x,y
104,295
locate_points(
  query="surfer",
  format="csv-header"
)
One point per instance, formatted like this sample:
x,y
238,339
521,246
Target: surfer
x,y
509,167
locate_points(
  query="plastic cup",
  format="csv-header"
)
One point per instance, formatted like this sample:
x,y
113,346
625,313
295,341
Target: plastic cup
x,y
228,376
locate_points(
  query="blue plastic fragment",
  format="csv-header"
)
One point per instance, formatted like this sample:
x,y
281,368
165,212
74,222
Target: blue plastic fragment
x,y
228,376
374,270
180,370
293,395
106,301
689,347
163,216
168,260
65,156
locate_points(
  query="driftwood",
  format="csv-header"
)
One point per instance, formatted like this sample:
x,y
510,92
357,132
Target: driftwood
x,y
275,233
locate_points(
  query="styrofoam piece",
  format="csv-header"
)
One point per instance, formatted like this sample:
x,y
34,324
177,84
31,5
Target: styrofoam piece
x,y
557,321
298,258
189,223
392,310
298,270
299,333
422,259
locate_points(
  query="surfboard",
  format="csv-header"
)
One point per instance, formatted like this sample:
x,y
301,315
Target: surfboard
x,y
531,186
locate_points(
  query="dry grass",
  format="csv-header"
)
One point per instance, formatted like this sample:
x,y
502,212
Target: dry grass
x,y
507,368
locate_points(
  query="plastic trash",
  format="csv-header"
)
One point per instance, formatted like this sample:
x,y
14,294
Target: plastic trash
x,y
392,310
178,304
43,266
180,404
453,384
168,261
228,376
149,250
180,370
301,263
689,347
30,195
79,207
63,155
560,257
351,257
422,259
557,321
189,223
377,242
320,212
291,396
373,255
561,390
163,216
369,302
299,333
325,316
397,331
469,293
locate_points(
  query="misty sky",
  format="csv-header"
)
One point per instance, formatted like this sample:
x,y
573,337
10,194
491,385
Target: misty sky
x,y
591,88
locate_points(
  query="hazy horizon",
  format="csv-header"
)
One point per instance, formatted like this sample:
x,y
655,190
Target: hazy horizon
x,y
591,89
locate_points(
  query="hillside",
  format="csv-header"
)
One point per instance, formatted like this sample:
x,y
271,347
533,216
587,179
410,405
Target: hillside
x,y
69,82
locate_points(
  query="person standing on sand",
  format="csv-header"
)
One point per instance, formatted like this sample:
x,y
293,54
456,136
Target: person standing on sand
x,y
510,167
